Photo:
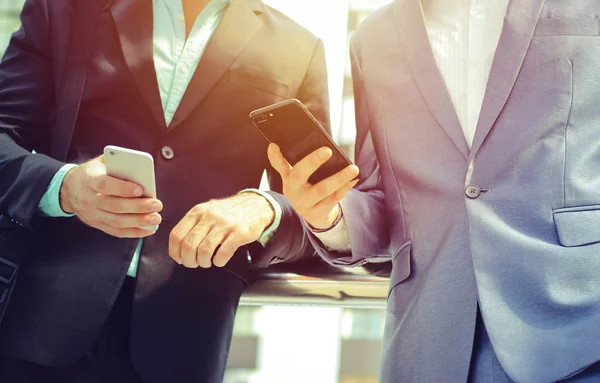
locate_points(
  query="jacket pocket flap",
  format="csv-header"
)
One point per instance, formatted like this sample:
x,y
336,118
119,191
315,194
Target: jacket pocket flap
x,y
258,81
400,265
577,226
575,27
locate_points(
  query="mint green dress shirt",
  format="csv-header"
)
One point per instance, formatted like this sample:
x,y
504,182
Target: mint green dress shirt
x,y
175,60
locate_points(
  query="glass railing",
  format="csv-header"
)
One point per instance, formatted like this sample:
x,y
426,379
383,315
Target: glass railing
x,y
310,323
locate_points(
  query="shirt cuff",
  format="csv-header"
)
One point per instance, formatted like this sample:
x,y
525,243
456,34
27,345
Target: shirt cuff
x,y
266,236
49,205
336,237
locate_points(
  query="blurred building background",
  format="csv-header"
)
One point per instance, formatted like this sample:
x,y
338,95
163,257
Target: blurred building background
x,y
299,344
9,19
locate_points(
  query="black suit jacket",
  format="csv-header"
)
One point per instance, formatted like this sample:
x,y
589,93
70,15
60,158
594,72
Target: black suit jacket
x,y
66,288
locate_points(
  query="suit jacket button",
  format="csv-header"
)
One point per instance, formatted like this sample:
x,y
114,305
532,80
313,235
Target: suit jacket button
x,y
167,152
473,191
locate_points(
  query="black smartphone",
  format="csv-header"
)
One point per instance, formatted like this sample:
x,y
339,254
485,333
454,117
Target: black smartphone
x,y
291,126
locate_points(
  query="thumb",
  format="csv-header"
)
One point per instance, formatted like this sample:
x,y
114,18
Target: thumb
x,y
278,162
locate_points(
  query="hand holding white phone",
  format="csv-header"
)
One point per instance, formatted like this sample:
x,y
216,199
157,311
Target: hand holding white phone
x,y
133,166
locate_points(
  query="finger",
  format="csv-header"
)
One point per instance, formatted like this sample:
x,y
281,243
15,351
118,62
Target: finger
x,y
128,221
330,185
120,205
207,247
302,171
189,247
124,233
278,162
329,203
107,185
226,251
178,234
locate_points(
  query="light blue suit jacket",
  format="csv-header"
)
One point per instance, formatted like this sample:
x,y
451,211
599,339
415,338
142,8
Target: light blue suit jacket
x,y
513,221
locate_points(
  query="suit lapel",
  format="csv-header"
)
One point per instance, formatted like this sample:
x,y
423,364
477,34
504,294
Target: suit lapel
x,y
134,22
519,24
235,31
419,54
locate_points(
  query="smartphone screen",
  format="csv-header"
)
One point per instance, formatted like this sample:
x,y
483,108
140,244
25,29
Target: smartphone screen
x,y
291,126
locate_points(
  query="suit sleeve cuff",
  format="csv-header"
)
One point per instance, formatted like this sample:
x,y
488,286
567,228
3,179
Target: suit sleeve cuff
x,y
49,205
269,231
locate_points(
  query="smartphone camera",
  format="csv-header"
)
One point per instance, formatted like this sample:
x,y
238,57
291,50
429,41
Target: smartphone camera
x,y
260,119
112,153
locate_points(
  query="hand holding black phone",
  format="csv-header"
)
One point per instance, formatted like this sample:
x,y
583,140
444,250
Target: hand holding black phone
x,y
291,126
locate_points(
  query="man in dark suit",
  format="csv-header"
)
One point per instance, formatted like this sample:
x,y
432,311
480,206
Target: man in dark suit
x,y
101,300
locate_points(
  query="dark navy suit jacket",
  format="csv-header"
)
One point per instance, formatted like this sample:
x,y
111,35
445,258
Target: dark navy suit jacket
x,y
66,288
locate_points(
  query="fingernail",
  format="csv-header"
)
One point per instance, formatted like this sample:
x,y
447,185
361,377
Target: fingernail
x,y
156,206
325,153
155,220
137,192
351,171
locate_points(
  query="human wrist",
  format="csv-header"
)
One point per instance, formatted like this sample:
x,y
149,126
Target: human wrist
x,y
335,215
267,212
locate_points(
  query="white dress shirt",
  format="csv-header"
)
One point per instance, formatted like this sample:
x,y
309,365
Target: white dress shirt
x,y
464,35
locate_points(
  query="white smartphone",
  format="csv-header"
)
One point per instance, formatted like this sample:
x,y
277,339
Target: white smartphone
x,y
133,166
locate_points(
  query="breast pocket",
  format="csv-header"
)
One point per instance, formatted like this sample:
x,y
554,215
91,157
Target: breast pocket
x,y
577,226
567,27
259,82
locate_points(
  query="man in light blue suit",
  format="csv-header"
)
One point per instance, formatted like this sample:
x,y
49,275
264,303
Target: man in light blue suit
x,y
478,145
